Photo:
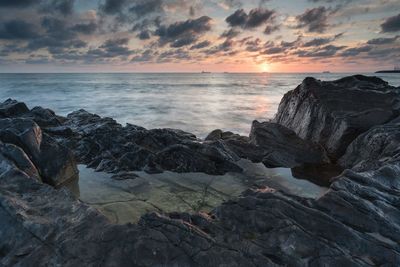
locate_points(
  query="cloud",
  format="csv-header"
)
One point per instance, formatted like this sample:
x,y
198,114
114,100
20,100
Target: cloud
x,y
354,51
112,6
315,19
391,24
63,7
231,33
17,3
183,33
383,41
254,19
17,29
325,51
146,6
112,48
201,45
88,28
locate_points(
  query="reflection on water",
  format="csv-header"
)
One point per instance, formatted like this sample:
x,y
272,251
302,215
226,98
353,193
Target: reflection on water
x,y
196,103
125,201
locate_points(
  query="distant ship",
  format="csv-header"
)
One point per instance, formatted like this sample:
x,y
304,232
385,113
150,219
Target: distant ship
x,y
327,71
396,69
205,72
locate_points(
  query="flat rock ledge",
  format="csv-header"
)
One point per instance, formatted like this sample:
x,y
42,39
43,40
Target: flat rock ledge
x,y
356,223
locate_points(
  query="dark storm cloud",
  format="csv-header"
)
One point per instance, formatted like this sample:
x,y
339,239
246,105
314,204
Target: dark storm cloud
x,y
254,19
64,7
113,6
146,6
183,33
391,24
383,41
88,28
17,3
17,29
315,19
144,35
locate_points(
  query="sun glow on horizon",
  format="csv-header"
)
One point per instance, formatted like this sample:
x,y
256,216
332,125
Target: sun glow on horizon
x,y
264,67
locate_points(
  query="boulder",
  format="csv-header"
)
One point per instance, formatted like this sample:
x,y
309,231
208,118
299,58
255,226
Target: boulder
x,y
334,113
10,108
283,148
373,149
55,163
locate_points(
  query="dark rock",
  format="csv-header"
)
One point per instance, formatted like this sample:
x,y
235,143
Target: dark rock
x,y
334,113
321,174
14,156
375,148
44,117
283,148
220,135
105,145
55,162
355,223
10,108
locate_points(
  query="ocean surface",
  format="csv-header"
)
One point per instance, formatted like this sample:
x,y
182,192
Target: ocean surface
x,y
198,103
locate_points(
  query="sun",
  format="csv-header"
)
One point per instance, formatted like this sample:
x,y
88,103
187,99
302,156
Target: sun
x,y
264,67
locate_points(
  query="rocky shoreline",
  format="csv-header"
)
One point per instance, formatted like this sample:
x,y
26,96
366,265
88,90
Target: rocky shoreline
x,y
344,134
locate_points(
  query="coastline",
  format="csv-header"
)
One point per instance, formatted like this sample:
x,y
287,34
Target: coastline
x,y
354,222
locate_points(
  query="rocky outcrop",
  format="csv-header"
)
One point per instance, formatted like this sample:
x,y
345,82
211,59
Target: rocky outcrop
x,y
355,223
377,147
272,144
334,113
105,145
54,162
283,148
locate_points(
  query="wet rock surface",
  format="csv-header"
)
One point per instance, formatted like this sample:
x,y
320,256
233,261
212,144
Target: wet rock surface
x,y
334,113
105,145
355,223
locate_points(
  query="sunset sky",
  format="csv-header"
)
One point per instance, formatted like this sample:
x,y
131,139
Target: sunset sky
x,y
191,36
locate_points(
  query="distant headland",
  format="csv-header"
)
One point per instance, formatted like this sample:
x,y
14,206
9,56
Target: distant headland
x,y
388,71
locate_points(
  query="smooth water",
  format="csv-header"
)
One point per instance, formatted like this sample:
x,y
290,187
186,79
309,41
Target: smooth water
x,y
124,201
198,103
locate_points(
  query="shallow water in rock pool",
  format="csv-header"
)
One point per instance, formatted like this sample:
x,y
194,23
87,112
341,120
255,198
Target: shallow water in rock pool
x,y
124,201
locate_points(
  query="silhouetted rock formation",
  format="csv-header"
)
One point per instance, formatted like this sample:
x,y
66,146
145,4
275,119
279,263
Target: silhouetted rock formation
x,y
334,113
356,223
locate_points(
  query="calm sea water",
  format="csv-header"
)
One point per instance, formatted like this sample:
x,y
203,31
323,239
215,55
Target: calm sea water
x,y
198,103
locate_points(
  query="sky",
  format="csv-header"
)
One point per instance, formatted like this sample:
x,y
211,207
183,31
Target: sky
x,y
193,36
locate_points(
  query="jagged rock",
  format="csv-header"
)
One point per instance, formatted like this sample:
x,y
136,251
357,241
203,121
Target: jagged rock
x,y
105,145
14,157
355,223
283,148
334,113
221,135
373,149
55,162
12,107
272,144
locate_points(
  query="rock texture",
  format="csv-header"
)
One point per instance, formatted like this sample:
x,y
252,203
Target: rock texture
x,y
105,145
356,223
334,113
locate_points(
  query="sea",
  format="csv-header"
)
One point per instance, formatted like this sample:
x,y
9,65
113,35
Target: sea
x,y
193,102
